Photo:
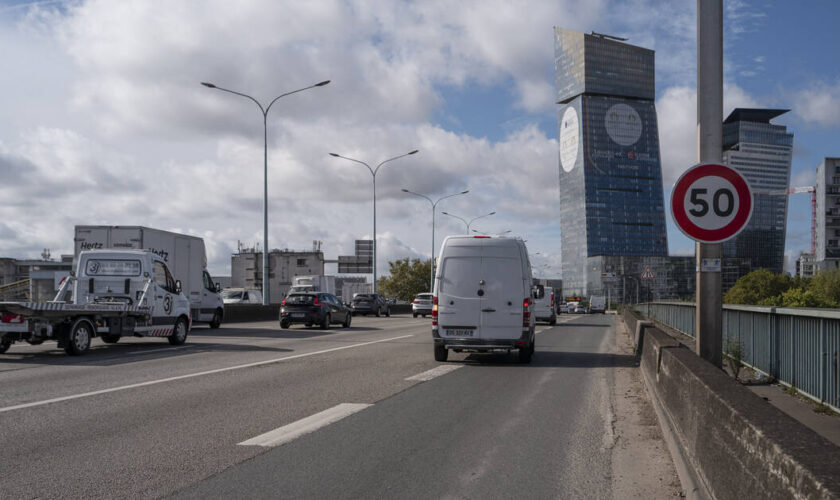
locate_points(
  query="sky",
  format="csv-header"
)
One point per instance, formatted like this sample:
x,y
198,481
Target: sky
x,y
105,121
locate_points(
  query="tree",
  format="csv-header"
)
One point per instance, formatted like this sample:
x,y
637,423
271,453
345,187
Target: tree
x,y
408,278
758,287
826,285
798,297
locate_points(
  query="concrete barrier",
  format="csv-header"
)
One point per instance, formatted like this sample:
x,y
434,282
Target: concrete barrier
x,y
736,444
636,325
238,313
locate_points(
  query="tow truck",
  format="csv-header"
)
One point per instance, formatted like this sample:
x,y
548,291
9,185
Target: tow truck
x,y
110,294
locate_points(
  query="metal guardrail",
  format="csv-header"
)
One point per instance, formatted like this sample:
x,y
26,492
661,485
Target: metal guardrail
x,y
799,347
16,290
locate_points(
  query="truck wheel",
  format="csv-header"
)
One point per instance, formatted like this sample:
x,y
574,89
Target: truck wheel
x,y
347,320
4,345
179,332
79,339
441,353
325,323
109,339
217,320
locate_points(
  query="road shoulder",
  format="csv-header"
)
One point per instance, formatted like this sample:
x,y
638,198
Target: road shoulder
x,y
642,466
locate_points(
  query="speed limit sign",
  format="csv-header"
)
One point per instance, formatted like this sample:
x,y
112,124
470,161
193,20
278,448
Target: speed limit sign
x,y
711,203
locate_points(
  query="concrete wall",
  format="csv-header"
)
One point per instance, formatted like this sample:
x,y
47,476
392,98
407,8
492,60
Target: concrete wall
x,y
736,444
239,313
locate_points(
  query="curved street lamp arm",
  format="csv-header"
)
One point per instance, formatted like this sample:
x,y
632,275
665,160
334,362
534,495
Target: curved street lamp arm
x,y
480,217
394,158
420,195
263,110
320,84
459,218
357,161
449,196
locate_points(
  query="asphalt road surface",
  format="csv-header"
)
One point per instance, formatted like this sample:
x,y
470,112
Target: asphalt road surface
x,y
250,410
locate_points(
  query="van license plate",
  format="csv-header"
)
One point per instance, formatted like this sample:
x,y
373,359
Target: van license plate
x,y
459,332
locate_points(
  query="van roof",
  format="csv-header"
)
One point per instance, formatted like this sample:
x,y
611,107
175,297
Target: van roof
x,y
463,240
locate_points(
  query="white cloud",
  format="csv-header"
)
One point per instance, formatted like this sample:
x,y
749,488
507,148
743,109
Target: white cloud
x,y
677,114
819,104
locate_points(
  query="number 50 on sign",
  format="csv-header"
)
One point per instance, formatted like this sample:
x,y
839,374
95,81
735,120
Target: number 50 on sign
x,y
711,203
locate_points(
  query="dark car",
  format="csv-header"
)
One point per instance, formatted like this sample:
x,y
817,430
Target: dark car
x,y
315,308
370,303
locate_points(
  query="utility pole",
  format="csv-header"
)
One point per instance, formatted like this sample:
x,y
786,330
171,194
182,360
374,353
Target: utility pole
x,y
709,340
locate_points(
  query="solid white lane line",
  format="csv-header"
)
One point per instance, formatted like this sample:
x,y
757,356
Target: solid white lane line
x,y
434,372
191,375
290,432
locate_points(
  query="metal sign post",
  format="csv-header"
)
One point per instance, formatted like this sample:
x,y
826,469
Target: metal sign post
x,y
708,324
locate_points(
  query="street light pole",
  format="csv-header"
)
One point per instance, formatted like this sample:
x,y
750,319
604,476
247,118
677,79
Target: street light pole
x,y
265,281
373,172
434,204
468,224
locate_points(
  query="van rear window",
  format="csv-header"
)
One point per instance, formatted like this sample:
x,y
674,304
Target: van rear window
x,y
300,299
112,267
459,276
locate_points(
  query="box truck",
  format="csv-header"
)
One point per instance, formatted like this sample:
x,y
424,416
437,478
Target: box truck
x,y
313,284
183,254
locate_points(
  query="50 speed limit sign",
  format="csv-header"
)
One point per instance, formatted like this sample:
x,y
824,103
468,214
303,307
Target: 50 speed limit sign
x,y
711,203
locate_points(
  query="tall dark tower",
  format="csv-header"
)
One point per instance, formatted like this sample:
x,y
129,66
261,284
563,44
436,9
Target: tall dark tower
x,y
611,201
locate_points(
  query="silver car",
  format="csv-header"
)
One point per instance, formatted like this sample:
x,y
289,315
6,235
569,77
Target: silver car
x,y
422,305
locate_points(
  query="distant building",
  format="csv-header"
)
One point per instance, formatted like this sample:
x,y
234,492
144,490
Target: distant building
x,y
246,269
828,214
35,280
611,198
761,152
806,265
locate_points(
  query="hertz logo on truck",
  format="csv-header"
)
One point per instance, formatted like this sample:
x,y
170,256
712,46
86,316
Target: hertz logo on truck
x,y
91,246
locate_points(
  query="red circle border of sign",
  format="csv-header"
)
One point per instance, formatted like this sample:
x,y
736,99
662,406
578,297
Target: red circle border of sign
x,y
696,232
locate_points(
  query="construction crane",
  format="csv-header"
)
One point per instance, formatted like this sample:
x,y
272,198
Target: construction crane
x,y
800,190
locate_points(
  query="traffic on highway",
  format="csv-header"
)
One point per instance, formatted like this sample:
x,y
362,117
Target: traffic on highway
x,y
253,410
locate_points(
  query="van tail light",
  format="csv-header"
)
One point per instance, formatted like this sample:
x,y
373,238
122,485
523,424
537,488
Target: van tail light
x,y
480,237
526,312
552,300
434,311
11,318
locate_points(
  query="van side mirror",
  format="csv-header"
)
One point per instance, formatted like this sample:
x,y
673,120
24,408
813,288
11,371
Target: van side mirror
x,y
177,286
218,287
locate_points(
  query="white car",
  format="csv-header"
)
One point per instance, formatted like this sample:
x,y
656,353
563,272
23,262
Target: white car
x,y
241,296
422,305
483,298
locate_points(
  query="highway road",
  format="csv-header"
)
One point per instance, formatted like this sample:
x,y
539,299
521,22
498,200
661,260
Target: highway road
x,y
250,410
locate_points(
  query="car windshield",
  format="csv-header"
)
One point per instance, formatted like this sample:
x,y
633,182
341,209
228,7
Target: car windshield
x,y
300,299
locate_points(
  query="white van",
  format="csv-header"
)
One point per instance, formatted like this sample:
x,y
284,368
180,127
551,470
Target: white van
x,y
544,309
483,300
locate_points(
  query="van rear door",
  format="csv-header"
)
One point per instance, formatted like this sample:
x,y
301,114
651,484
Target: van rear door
x,y
502,302
459,305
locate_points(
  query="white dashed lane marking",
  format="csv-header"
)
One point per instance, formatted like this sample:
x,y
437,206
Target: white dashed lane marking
x,y
290,432
434,372
191,375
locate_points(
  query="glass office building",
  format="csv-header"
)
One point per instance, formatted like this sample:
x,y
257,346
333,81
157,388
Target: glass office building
x,y
761,152
611,199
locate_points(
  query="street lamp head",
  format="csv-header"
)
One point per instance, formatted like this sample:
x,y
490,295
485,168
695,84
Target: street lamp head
x,y
415,151
445,213
405,190
333,154
208,85
321,84
492,213
465,192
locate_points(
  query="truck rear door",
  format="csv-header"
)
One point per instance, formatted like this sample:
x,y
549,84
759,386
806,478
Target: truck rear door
x,y
459,296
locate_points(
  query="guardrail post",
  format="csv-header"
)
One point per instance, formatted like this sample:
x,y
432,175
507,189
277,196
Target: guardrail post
x,y
823,353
